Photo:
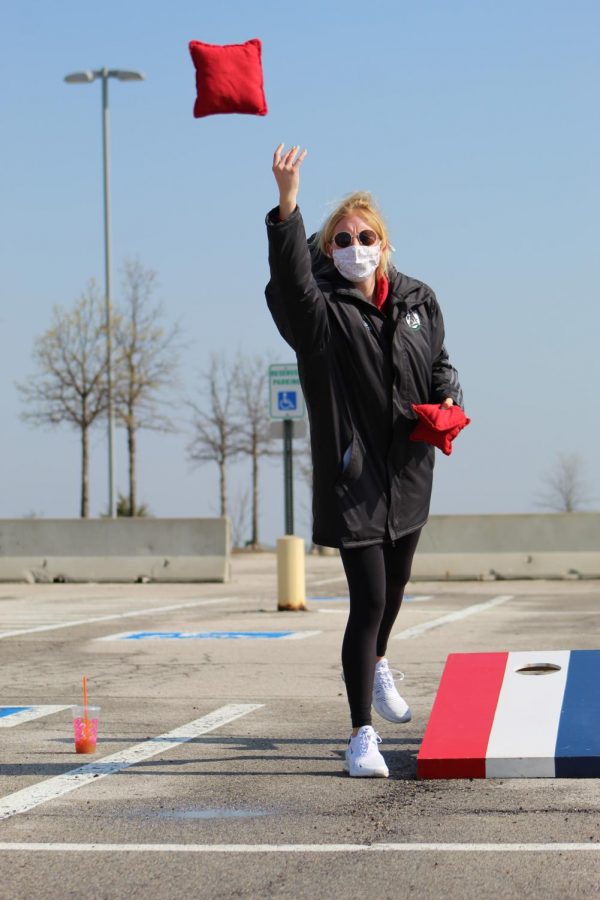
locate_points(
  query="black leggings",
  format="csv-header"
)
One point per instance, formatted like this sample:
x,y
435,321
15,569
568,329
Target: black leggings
x,y
377,576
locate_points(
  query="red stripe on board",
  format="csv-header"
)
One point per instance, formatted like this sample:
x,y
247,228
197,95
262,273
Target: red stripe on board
x,y
456,738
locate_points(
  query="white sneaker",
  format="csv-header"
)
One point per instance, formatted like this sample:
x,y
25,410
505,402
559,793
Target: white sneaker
x,y
363,759
386,699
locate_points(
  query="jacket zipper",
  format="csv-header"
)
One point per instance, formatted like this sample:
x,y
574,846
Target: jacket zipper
x,y
369,327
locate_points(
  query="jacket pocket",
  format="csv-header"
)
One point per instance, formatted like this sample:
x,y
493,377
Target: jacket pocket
x,y
360,496
352,462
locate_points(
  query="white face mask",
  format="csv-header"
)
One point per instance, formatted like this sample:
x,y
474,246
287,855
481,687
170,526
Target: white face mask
x,y
356,262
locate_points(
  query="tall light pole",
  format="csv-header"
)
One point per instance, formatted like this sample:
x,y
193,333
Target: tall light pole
x,y
86,78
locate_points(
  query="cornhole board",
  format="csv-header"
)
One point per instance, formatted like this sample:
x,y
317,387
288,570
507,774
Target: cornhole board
x,y
530,714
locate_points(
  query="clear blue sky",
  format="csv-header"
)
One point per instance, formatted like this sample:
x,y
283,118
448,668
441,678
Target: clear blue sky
x,y
474,123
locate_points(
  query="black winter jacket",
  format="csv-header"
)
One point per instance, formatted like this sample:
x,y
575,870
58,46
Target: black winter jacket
x,y
360,371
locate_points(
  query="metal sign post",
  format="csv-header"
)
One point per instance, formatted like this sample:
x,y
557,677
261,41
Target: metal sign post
x,y
288,475
286,405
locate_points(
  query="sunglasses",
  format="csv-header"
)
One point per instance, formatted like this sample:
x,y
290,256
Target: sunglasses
x,y
367,238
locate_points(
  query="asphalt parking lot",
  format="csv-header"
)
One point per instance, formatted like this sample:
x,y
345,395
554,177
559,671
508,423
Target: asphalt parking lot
x,y
222,729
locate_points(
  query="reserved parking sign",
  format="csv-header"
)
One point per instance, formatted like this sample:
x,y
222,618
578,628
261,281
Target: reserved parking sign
x,y
286,400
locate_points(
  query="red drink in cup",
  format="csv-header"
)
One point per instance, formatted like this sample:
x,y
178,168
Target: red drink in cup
x,y
85,727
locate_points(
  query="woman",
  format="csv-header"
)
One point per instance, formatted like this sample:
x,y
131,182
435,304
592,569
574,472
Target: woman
x,y
369,343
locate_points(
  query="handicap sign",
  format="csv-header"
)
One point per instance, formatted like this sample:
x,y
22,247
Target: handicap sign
x,y
286,400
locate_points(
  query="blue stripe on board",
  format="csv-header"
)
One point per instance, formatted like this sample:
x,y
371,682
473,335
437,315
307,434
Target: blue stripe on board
x,y
10,710
578,740
203,635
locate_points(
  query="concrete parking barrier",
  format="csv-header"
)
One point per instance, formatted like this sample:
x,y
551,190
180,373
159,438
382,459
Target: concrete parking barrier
x,y
550,545
167,550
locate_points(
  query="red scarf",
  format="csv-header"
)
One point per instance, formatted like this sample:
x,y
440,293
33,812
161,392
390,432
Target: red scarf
x,y
382,287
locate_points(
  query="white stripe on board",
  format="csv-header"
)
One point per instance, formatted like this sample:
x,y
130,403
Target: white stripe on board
x,y
26,715
416,630
126,615
523,736
301,848
51,788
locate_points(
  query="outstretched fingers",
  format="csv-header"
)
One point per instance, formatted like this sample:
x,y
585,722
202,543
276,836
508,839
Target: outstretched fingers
x,y
286,169
300,159
286,160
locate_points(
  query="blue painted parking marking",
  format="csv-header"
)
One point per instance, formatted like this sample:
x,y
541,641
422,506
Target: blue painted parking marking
x,y
16,715
11,710
208,635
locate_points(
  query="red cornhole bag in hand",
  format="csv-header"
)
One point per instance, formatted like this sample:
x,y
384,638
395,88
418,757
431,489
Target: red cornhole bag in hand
x,y
229,78
437,425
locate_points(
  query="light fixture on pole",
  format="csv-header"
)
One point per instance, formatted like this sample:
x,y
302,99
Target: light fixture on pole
x,y
85,78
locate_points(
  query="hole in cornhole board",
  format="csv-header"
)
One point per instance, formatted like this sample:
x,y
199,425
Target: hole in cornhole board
x,y
538,669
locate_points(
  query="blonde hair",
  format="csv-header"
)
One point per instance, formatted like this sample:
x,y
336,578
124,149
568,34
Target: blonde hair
x,y
363,204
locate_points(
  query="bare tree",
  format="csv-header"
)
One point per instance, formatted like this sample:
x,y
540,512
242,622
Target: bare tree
x,y
146,362
566,488
238,513
69,385
303,458
216,424
252,384
303,462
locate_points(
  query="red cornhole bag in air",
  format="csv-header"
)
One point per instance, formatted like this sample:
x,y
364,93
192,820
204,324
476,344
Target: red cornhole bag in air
x,y
438,426
229,78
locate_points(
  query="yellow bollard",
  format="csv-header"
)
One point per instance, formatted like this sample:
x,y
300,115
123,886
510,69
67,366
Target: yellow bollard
x,y
291,591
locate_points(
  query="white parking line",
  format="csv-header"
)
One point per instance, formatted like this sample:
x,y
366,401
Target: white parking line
x,y
417,598
51,788
328,580
26,715
299,635
417,630
302,848
126,615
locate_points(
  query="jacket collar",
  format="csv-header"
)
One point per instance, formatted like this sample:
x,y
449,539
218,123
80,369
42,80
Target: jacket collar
x,y
403,290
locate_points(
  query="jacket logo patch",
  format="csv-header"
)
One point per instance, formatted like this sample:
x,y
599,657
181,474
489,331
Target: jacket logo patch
x,y
413,321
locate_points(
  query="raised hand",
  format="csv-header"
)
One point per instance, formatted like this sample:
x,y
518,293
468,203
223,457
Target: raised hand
x,y
286,169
